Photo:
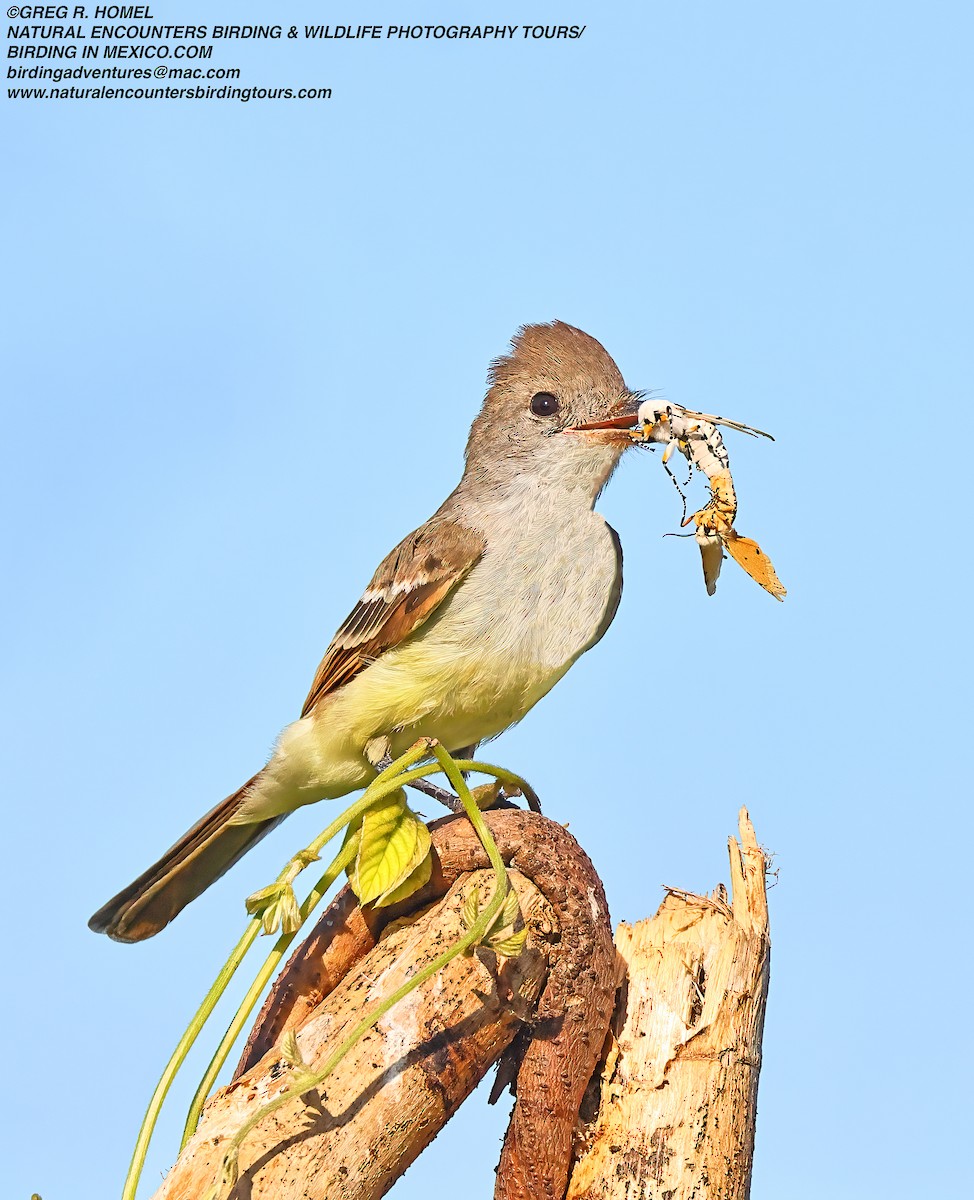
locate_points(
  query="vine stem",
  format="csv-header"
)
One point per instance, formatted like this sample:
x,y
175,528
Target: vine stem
x,y
389,780
310,1080
378,789
234,1029
482,768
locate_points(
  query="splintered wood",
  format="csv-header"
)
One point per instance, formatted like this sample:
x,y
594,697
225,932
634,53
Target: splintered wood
x,y
678,1091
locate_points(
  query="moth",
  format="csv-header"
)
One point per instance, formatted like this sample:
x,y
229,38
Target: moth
x,y
696,436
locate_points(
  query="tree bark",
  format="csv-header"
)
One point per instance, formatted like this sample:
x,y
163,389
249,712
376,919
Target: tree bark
x,y
678,1092
391,1095
670,1116
370,1120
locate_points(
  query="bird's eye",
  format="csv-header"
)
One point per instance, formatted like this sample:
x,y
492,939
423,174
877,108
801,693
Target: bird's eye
x,y
544,404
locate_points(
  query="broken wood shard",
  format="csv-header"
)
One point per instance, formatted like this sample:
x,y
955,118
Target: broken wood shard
x,y
677,1098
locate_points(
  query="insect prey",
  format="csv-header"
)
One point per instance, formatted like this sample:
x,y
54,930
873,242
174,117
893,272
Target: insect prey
x,y
696,436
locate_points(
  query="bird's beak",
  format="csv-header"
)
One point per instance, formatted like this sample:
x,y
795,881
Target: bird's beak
x,y
612,429
626,421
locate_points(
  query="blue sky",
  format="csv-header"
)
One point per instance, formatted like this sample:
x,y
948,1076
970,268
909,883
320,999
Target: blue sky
x,y
243,346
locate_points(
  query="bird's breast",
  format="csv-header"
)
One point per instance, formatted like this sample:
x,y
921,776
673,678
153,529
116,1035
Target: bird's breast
x,y
539,594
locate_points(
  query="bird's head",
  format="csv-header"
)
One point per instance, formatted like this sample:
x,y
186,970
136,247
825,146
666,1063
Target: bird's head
x,y
554,380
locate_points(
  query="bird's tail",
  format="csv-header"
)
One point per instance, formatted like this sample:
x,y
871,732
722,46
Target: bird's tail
x,y
185,871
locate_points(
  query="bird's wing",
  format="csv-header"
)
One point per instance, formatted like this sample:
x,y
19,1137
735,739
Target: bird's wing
x,y
615,595
409,585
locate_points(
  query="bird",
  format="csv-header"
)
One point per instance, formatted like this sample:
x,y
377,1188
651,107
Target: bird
x,y
465,625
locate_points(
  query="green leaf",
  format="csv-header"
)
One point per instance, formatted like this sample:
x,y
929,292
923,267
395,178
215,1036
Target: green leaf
x,y
289,1050
471,908
510,911
510,946
277,907
487,794
261,900
393,843
416,879
500,937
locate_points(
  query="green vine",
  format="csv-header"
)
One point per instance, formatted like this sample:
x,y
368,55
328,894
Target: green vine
x,y
391,853
304,1079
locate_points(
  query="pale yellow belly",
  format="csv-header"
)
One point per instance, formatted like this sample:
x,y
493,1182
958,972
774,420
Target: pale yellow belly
x,y
408,694
496,647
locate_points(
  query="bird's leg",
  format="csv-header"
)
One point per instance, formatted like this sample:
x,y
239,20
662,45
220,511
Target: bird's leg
x,y
444,795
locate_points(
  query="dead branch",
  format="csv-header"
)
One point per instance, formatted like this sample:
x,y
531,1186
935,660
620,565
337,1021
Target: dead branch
x,y
670,1116
393,1093
678,1094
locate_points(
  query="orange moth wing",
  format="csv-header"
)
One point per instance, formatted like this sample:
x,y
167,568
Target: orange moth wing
x,y
749,555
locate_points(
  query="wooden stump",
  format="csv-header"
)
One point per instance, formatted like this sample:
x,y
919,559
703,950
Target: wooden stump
x,y
377,1111
401,1083
678,1091
670,1115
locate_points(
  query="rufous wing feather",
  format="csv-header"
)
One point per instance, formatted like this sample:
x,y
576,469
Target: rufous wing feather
x,y
407,588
